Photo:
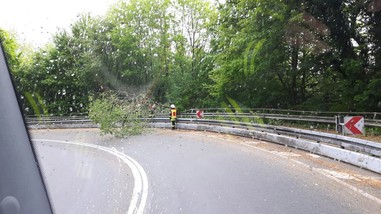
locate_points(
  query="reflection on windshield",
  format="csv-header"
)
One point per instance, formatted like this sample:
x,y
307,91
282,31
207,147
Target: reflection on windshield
x,y
125,67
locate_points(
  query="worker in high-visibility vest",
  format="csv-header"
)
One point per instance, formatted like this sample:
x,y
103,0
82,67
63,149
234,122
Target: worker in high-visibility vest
x,y
172,116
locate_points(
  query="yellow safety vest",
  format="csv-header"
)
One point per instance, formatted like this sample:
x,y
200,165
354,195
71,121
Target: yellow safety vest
x,y
173,114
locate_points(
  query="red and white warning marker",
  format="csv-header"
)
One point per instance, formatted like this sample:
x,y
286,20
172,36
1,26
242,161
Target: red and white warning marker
x,y
354,125
200,114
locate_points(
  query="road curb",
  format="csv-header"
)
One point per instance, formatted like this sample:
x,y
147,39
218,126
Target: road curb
x,y
357,159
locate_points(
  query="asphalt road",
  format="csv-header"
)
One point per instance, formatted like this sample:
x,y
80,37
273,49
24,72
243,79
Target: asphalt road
x,y
196,172
84,180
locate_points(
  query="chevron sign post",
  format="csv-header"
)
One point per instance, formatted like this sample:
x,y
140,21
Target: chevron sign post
x,y
354,125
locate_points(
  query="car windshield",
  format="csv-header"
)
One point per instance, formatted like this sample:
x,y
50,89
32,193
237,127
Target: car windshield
x,y
200,106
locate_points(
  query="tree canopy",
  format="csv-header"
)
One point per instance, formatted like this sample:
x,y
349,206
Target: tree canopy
x,y
310,55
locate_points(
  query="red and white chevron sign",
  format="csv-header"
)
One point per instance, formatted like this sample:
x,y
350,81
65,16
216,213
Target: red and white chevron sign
x,y
200,114
354,125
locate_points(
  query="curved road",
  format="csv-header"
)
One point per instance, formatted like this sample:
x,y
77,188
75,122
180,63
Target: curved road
x,y
80,178
196,172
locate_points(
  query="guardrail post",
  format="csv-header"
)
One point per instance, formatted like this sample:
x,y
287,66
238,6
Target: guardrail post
x,y
339,124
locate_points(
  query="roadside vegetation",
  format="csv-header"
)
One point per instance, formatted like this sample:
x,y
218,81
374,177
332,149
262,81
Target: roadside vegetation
x,y
122,117
309,55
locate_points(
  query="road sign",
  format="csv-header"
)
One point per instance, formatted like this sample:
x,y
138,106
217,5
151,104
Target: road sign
x,y
354,125
200,114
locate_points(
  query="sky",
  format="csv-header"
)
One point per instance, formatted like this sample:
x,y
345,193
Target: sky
x,y
34,21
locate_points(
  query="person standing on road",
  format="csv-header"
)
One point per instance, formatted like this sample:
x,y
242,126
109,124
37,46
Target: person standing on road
x,y
173,115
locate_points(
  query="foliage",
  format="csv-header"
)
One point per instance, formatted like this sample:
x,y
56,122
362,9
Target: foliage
x,y
120,117
310,55
297,54
10,47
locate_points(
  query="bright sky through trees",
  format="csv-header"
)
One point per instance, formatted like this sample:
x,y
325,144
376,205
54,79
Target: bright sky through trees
x,y
310,55
35,21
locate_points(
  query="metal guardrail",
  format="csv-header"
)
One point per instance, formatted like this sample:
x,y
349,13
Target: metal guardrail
x,y
372,119
251,116
361,153
369,115
52,120
345,142
286,117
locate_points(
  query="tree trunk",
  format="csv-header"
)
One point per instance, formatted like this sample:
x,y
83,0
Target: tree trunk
x,y
294,74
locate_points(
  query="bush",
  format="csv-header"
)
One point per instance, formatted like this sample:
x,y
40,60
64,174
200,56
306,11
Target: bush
x,y
119,117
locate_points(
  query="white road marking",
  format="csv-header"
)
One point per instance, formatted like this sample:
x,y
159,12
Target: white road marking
x,y
340,175
288,154
314,156
140,190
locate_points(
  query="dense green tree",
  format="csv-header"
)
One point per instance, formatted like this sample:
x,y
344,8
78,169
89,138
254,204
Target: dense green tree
x,y
60,76
249,52
312,55
10,47
353,79
193,24
141,39
301,54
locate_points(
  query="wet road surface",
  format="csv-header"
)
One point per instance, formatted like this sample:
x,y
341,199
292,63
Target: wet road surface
x,y
197,172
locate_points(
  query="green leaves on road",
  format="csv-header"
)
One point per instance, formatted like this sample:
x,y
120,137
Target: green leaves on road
x,y
118,117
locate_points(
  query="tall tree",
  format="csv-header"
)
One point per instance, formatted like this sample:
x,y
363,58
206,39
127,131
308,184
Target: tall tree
x,y
10,47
